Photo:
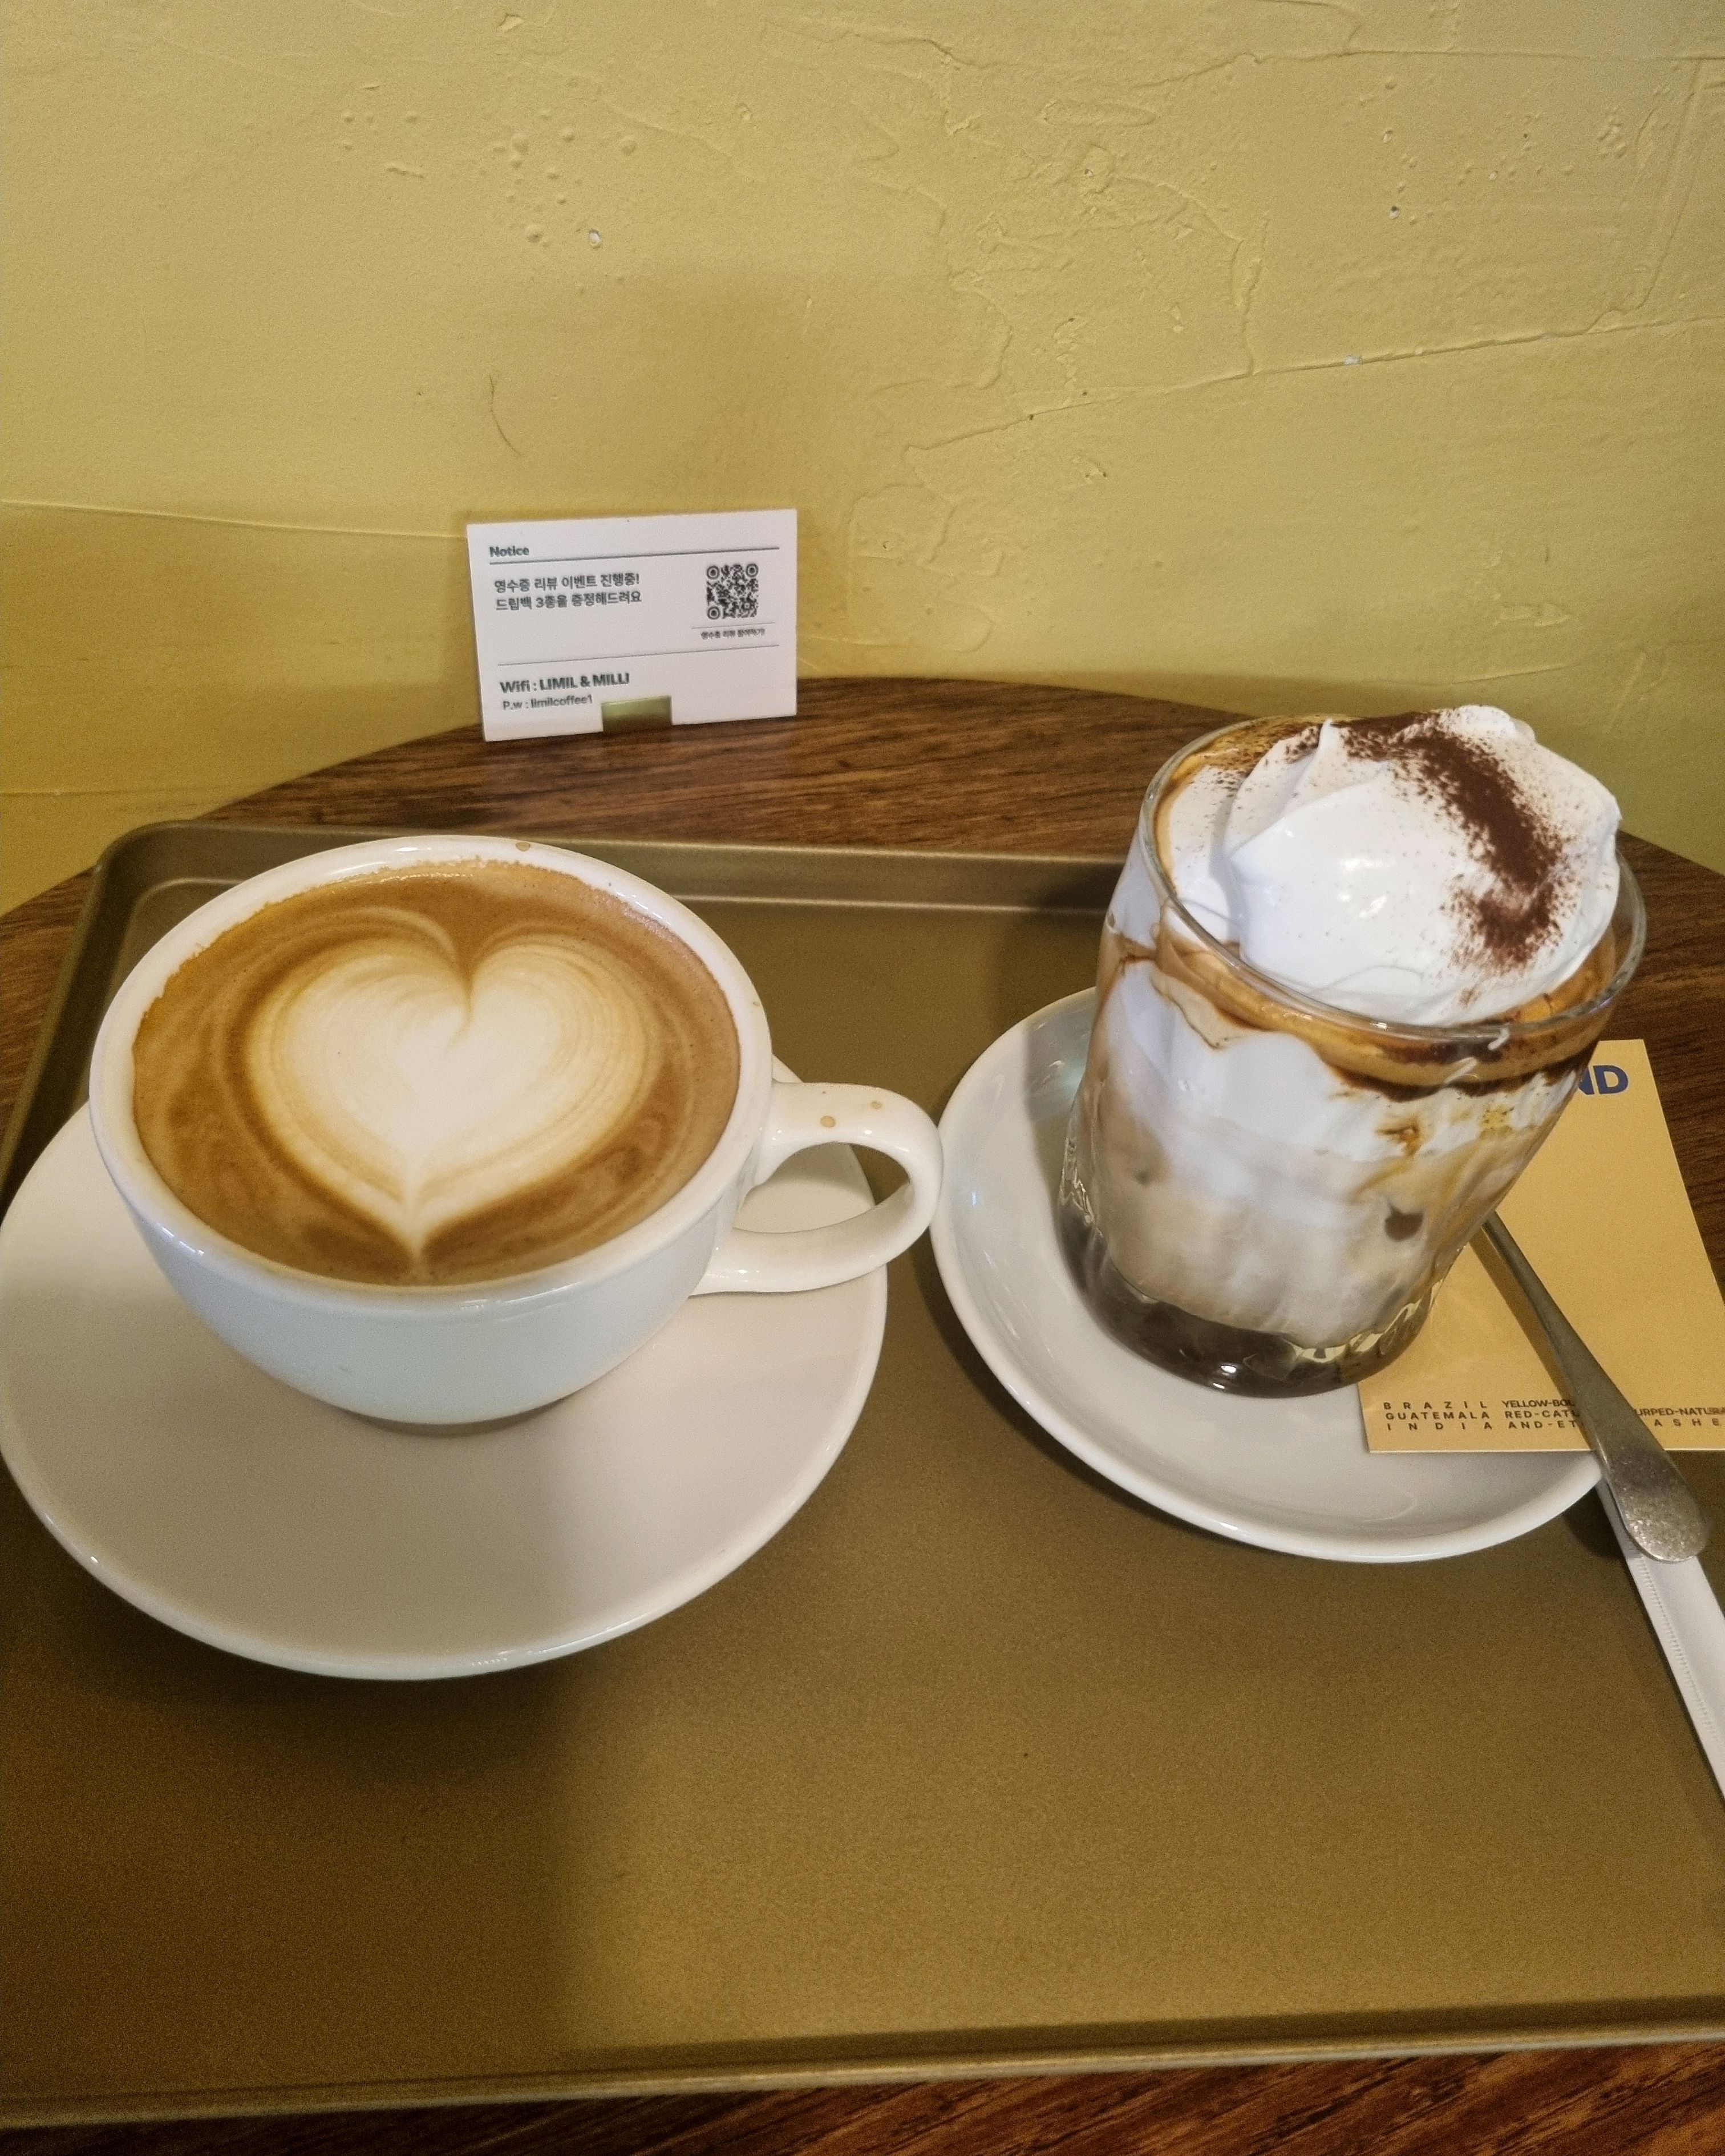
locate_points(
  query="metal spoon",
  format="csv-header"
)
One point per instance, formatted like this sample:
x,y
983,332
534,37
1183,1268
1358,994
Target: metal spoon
x,y
1656,1505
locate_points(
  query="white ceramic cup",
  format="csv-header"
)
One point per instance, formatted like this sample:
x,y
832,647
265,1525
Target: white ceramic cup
x,y
483,1349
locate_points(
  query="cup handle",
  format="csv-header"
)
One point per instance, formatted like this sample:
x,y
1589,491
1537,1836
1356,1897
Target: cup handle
x,y
751,1262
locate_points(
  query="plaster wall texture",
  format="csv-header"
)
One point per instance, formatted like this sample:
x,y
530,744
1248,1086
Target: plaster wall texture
x,y
1282,357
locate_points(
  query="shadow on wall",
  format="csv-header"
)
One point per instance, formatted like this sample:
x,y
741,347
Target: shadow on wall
x,y
158,664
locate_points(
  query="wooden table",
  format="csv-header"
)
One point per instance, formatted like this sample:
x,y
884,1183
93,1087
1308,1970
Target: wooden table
x,y
1030,770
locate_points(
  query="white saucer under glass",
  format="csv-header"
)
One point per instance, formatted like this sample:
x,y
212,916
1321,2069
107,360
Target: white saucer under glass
x,y
1287,1475
260,1521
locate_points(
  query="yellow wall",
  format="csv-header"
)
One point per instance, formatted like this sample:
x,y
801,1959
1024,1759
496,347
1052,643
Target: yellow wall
x,y
1272,354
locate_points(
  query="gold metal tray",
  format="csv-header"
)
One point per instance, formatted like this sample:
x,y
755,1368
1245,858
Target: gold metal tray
x,y
980,1766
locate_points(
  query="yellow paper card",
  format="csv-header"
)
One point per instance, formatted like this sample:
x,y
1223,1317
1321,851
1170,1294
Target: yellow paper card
x,y
1605,1221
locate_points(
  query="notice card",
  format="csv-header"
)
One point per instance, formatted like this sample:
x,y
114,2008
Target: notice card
x,y
1602,1216
585,624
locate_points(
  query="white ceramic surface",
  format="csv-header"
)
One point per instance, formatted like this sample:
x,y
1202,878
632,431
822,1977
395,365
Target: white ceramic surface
x,y
268,1523
1286,1474
489,1348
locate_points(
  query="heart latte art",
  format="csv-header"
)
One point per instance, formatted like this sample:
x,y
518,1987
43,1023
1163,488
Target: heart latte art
x,y
420,1096
448,1073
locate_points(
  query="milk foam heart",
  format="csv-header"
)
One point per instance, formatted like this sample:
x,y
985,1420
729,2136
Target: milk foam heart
x,y
434,1074
419,1096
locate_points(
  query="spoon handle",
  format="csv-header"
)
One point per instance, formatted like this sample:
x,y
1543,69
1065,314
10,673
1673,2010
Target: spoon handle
x,y
1656,1505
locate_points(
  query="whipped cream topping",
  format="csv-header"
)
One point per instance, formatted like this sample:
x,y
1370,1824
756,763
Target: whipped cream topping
x,y
1434,867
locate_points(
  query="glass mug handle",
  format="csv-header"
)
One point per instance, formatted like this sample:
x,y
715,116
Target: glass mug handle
x,y
751,1262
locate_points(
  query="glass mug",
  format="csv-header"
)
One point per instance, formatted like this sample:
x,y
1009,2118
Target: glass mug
x,y
1264,1193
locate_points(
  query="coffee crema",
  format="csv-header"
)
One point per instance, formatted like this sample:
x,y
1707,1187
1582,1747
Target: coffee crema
x,y
454,1071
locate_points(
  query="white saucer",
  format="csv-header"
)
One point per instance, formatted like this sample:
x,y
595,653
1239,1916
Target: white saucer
x,y
267,1523
1287,1475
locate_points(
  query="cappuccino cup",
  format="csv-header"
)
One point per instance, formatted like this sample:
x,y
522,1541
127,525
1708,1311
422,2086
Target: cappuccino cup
x,y
432,1139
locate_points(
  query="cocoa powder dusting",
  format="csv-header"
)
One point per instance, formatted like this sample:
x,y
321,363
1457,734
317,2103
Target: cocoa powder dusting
x,y
1518,846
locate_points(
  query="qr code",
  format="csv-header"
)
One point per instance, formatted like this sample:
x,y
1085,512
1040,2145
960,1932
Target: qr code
x,y
733,591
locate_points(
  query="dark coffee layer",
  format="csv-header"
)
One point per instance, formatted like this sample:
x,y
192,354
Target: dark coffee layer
x,y
1228,1358
452,1072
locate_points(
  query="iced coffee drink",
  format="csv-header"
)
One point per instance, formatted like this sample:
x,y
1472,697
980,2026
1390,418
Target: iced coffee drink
x,y
1349,975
